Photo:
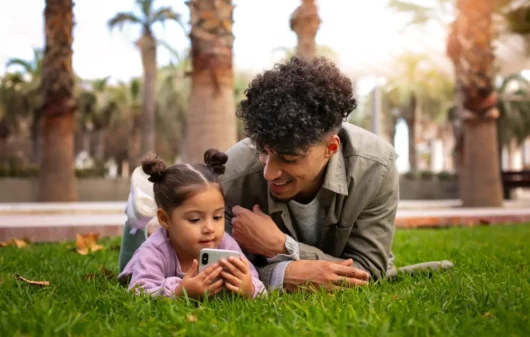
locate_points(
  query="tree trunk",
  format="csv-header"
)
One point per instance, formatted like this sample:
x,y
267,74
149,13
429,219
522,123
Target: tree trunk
x,y
470,48
57,176
481,171
411,121
147,45
99,154
211,119
35,139
305,23
133,151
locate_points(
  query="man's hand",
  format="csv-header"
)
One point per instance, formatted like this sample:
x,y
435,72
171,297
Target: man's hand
x,y
323,274
256,232
237,276
199,285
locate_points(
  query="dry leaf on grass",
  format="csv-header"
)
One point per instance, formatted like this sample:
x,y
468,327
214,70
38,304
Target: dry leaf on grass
x,y
192,318
87,243
16,242
36,283
107,273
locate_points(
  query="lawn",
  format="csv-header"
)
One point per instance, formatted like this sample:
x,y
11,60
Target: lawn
x,y
487,294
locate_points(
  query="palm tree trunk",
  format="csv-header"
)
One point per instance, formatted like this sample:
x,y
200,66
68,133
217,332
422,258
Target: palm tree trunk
x,y
133,150
305,23
100,144
35,139
57,175
147,45
211,121
411,121
472,54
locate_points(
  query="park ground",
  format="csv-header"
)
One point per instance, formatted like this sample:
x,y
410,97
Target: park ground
x,y
486,294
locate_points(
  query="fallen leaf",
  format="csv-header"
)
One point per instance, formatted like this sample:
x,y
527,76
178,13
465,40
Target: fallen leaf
x,y
19,243
192,318
37,283
14,242
87,243
104,271
108,274
488,314
396,297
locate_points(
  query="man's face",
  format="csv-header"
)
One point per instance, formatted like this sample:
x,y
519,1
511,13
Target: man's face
x,y
298,175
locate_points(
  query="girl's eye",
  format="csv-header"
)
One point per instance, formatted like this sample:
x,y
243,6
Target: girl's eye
x,y
218,218
195,220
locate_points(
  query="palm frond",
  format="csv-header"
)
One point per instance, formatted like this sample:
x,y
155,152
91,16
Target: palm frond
x,y
166,13
146,6
26,65
122,18
518,19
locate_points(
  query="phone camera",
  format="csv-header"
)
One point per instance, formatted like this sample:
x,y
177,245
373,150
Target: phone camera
x,y
205,258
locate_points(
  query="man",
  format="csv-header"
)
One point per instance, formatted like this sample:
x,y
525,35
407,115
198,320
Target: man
x,y
315,196
311,198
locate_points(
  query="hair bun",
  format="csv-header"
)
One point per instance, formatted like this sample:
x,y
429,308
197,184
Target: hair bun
x,y
215,160
154,167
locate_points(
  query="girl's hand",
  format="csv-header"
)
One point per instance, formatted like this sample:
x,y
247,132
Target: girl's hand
x,y
237,276
197,285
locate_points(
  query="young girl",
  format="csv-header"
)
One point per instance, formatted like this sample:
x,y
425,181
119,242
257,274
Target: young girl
x,y
191,214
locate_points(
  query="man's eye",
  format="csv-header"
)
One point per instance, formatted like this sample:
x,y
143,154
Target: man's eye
x,y
289,161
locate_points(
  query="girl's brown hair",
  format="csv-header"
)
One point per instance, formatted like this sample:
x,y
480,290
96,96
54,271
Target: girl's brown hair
x,y
176,183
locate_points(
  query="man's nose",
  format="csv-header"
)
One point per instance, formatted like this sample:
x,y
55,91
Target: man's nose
x,y
271,170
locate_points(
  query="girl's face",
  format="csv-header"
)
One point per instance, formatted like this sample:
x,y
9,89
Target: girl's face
x,y
197,223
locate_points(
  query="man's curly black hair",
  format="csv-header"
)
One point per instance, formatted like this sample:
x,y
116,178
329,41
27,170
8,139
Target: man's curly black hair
x,y
295,105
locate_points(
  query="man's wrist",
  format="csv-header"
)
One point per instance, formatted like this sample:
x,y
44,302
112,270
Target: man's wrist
x,y
280,247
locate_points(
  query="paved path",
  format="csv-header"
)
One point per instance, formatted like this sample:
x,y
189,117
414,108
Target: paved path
x,y
60,221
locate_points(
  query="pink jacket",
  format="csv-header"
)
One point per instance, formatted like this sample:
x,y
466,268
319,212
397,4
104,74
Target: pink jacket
x,y
155,266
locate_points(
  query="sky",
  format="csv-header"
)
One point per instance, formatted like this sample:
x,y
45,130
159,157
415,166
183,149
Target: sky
x,y
365,35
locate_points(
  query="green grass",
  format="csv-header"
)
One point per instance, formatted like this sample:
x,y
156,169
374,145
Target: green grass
x,y
487,294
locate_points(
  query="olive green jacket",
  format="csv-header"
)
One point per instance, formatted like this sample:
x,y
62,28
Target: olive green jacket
x,y
360,193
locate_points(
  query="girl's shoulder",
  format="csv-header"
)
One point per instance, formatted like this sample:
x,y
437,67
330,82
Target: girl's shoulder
x,y
159,240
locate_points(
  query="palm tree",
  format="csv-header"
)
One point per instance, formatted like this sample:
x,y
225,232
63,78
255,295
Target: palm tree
x,y
305,23
421,93
514,108
57,178
127,98
13,106
32,87
96,107
147,44
211,118
472,54
470,48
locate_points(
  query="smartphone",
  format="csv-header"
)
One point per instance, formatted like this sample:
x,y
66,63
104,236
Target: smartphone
x,y
209,256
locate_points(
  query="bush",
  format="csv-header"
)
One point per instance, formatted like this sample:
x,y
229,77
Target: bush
x,y
426,175
445,176
411,175
32,172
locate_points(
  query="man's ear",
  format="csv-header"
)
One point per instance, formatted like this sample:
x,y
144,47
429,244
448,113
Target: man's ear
x,y
163,218
333,146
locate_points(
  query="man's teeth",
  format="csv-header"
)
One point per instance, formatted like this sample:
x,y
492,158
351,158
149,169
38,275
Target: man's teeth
x,y
279,183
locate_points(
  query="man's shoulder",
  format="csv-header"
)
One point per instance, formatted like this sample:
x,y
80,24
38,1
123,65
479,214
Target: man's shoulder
x,y
363,143
242,161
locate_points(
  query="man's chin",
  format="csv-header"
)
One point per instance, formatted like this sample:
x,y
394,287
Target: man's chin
x,y
282,198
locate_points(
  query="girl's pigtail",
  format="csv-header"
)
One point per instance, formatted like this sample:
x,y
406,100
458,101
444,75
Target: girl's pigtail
x,y
215,160
154,167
